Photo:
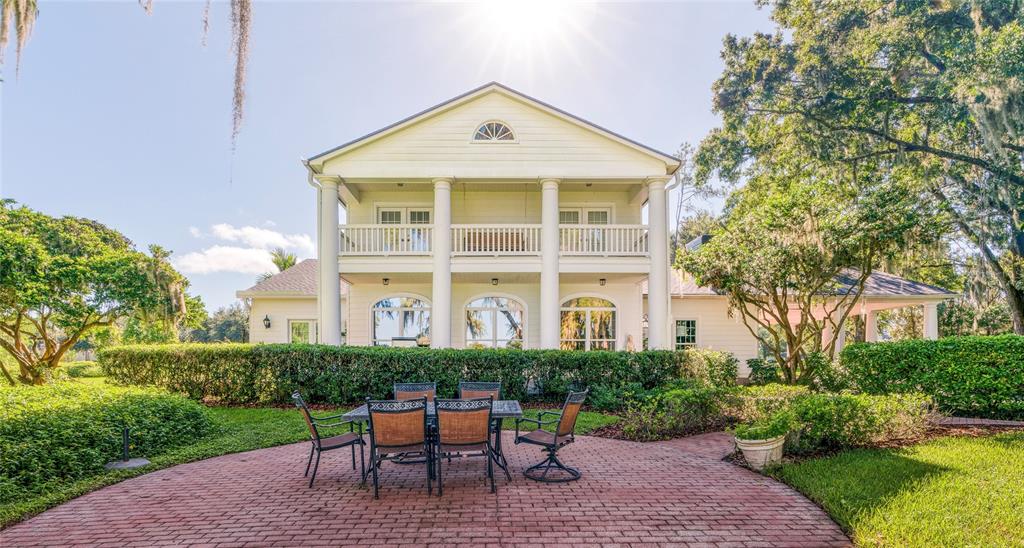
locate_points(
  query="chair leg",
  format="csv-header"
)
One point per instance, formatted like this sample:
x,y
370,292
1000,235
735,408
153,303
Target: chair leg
x,y
315,467
440,482
353,456
430,469
374,464
490,466
362,465
309,461
549,464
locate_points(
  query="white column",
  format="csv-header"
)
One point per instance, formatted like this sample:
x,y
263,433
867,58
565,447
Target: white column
x,y
931,321
657,279
441,305
871,326
327,255
550,315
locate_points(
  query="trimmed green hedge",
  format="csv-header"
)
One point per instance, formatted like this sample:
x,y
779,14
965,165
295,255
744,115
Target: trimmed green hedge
x,y
82,369
967,376
68,430
245,373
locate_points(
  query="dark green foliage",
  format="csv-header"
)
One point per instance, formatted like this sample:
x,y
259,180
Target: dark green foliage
x,y
678,411
764,371
83,369
240,373
848,420
777,424
718,368
67,431
967,376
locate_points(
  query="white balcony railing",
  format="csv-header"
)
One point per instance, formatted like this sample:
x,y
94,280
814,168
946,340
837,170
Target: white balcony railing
x,y
495,240
385,239
603,240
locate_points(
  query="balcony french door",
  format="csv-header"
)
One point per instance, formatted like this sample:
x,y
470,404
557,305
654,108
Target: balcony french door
x,y
584,240
410,230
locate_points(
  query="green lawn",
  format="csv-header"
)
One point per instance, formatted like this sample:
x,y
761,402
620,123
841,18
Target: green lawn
x,y
953,491
239,429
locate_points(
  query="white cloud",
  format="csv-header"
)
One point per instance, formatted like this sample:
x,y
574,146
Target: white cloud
x,y
263,238
221,258
249,254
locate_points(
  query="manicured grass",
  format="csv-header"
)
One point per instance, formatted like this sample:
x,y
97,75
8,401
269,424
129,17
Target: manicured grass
x,y
954,491
586,423
238,429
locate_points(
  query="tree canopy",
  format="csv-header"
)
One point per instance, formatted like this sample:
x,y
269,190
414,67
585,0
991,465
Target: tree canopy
x,y
928,92
62,277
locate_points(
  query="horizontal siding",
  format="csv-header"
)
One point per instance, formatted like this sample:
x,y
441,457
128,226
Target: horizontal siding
x,y
546,145
715,329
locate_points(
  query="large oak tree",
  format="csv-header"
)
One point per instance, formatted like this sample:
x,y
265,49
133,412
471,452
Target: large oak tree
x,y
929,88
62,277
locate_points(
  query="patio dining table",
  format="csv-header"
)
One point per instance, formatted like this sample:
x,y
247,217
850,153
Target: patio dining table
x,y
500,410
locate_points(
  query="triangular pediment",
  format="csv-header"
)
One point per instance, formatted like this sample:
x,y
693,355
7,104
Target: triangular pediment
x,y
546,142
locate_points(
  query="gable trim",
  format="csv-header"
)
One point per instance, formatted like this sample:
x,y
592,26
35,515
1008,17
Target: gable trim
x,y
671,161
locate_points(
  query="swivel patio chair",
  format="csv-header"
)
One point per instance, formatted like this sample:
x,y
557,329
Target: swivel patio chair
x,y
320,444
413,390
482,389
464,427
552,441
398,428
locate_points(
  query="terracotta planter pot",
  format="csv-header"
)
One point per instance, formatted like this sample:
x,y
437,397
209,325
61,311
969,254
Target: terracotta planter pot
x,y
761,453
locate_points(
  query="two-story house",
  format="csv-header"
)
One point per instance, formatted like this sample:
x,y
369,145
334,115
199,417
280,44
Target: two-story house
x,y
494,219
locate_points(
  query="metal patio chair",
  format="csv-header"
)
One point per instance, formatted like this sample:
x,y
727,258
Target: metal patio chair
x,y
321,444
552,441
464,426
482,389
398,428
413,390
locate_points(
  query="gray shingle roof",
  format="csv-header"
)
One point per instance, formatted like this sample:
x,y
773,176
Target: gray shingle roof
x,y
298,280
879,284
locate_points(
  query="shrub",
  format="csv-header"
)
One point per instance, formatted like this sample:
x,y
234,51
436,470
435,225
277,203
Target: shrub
x,y
764,371
242,373
777,424
967,376
756,403
715,367
677,411
83,369
846,420
65,430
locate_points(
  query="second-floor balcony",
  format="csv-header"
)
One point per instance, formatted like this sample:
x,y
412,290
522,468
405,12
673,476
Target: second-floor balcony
x,y
494,240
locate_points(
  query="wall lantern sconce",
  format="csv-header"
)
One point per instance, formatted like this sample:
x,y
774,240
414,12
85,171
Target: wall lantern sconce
x,y
386,281
643,322
266,321
602,281
494,281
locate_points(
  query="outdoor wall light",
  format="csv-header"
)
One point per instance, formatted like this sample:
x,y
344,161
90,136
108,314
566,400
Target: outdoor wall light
x,y
494,281
602,281
386,281
266,321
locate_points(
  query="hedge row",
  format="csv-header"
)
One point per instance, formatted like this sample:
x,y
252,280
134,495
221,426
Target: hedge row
x,y
65,430
967,376
243,373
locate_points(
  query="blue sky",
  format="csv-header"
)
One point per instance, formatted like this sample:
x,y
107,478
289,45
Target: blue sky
x,y
125,118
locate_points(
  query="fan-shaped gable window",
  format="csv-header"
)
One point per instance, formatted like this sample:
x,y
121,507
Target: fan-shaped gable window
x,y
494,131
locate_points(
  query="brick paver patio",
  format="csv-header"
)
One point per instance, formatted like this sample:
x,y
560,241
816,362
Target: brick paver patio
x,y
630,494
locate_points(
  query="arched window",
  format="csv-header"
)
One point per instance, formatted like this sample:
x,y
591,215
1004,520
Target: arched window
x,y
495,322
588,323
494,131
401,321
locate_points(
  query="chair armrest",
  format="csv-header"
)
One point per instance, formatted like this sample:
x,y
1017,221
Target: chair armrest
x,y
323,424
542,413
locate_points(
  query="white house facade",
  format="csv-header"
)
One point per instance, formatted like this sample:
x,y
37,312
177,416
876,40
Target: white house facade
x,y
497,220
